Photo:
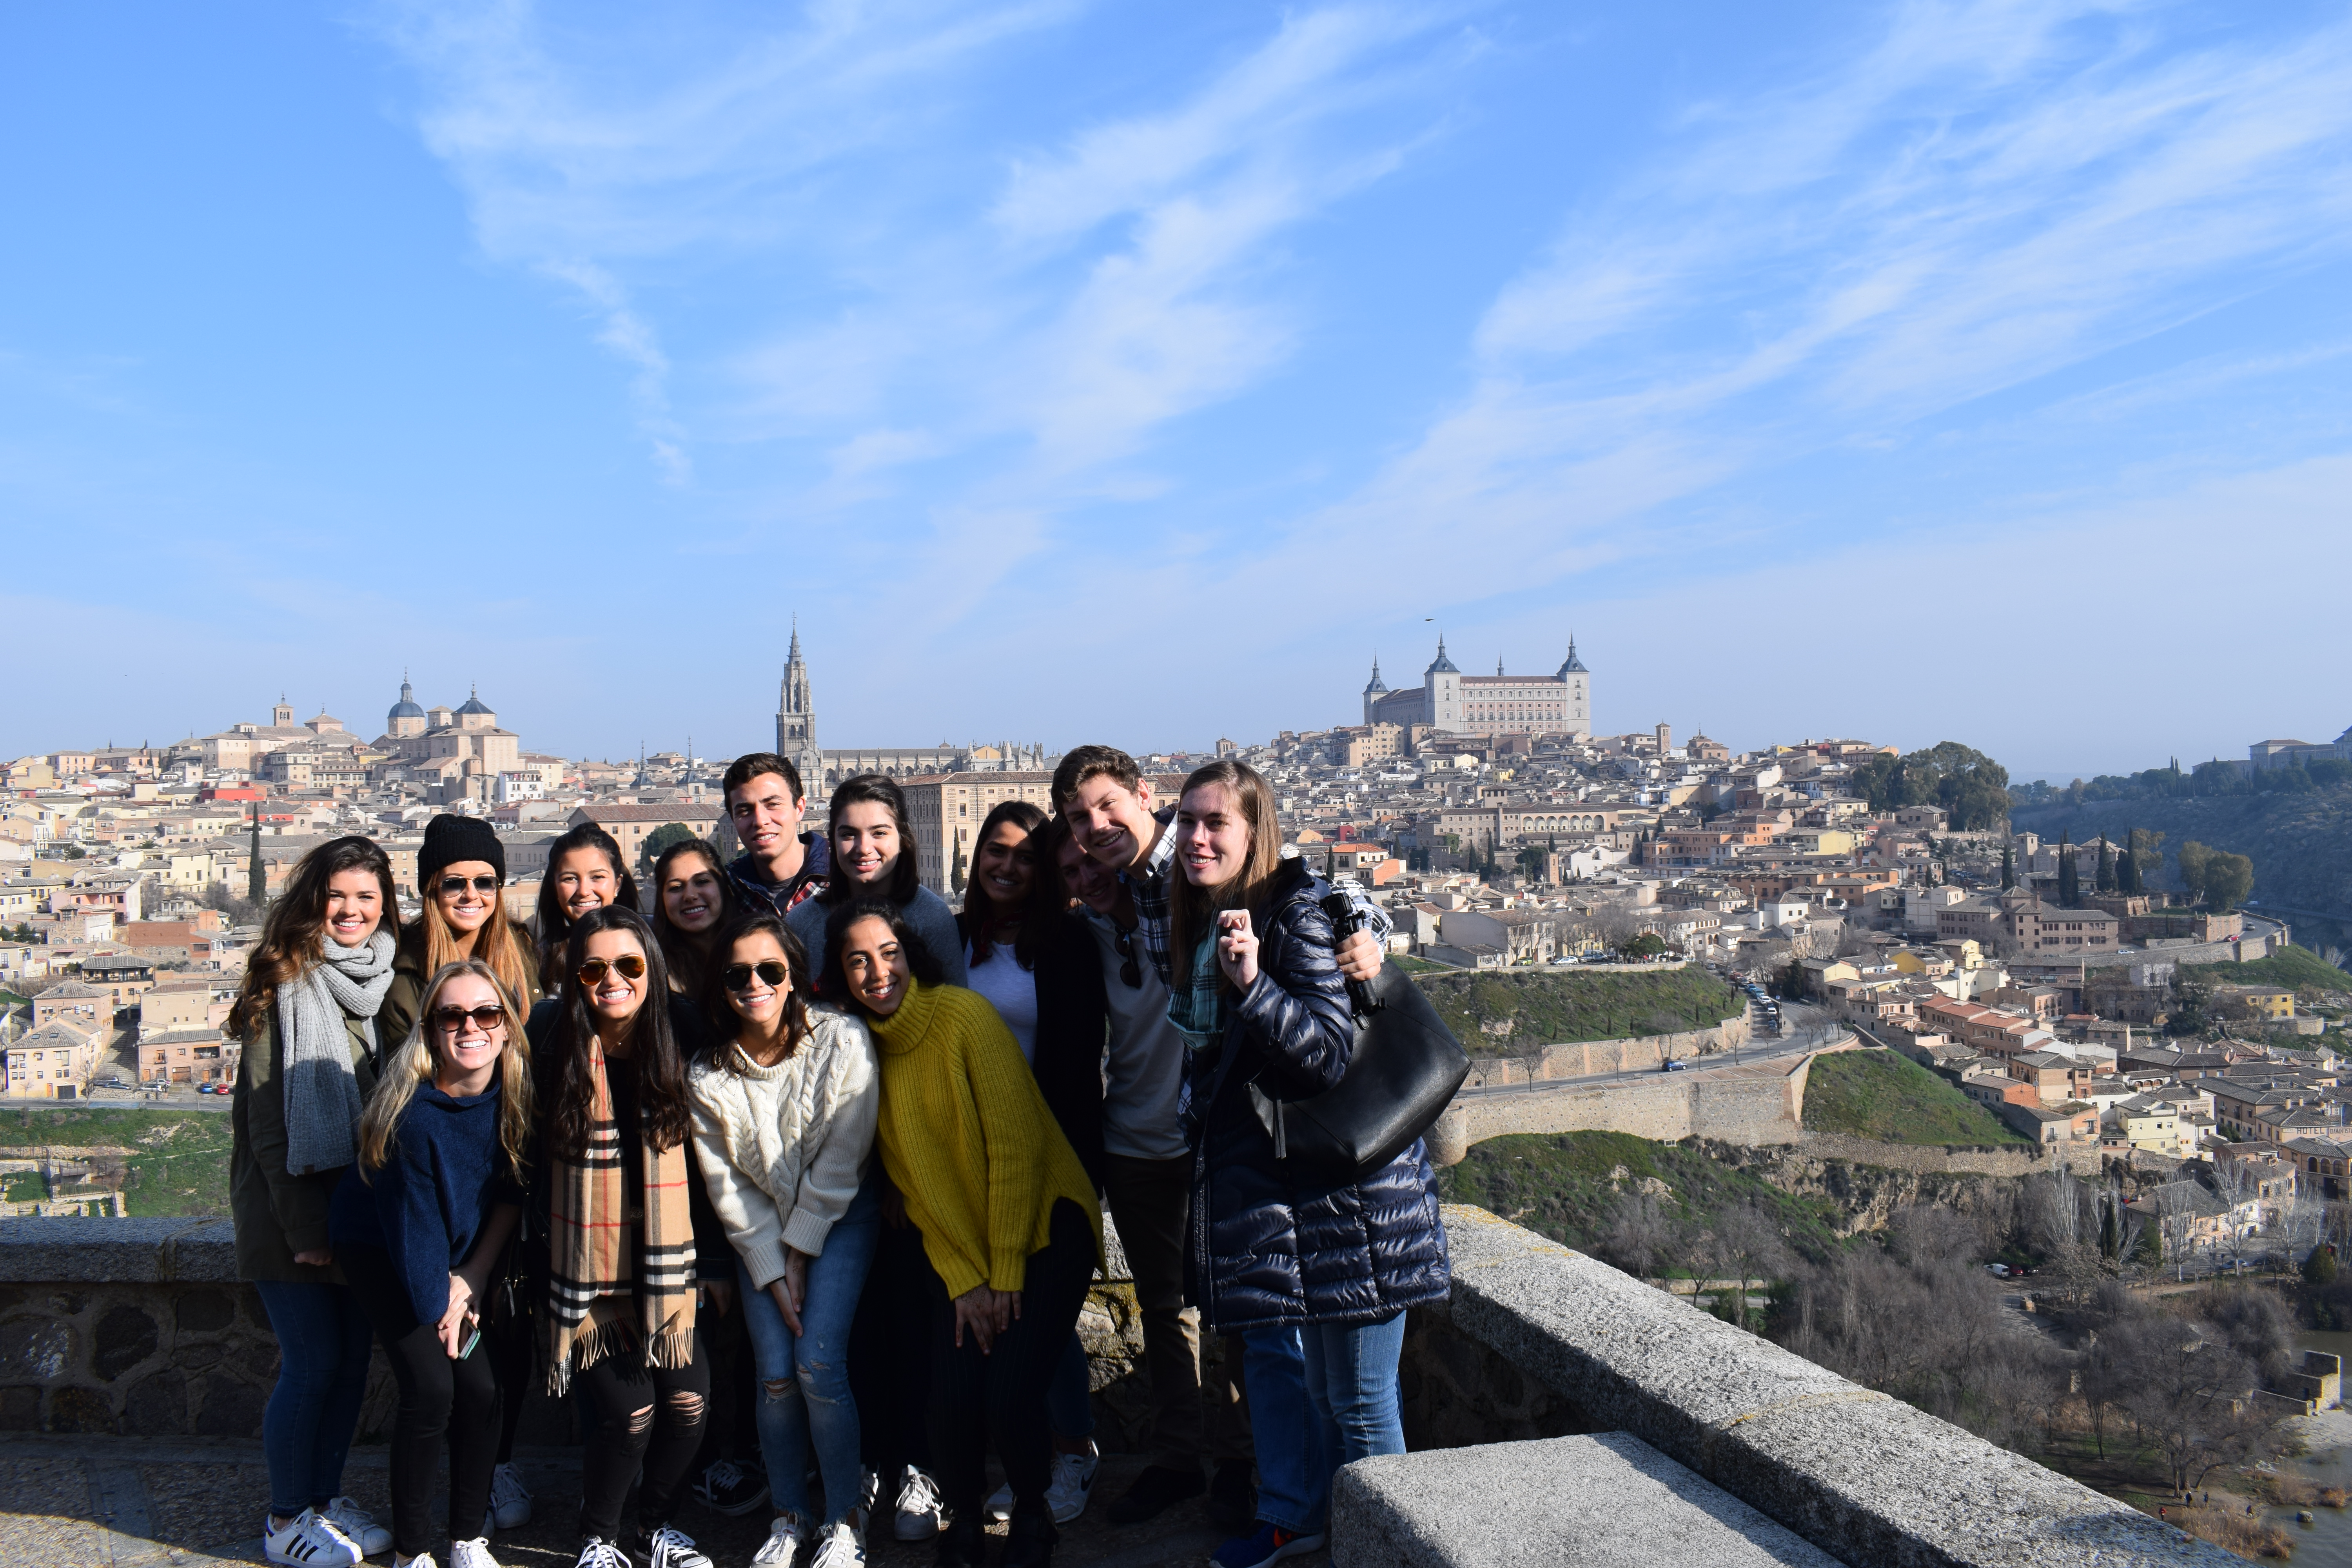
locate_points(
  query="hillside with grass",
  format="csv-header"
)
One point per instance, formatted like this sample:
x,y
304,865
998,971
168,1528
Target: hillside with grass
x,y
2300,844
1567,1185
174,1162
2299,967
1508,1011
1891,1099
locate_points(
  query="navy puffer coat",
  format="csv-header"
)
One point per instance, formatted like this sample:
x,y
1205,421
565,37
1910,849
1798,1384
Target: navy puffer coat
x,y
1265,1249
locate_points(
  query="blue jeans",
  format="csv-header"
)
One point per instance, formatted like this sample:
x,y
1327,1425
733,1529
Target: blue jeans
x,y
1294,1472
322,1367
1351,1376
1069,1401
811,1367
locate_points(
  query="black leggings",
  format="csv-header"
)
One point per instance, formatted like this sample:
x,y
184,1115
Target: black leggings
x,y
892,1388
645,1416
1003,1391
438,1397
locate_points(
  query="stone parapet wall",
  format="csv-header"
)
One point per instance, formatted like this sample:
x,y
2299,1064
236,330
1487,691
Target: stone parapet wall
x,y
1538,1341
2083,1158
140,1328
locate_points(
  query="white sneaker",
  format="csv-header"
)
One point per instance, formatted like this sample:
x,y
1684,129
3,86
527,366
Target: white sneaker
x,y
598,1553
785,1534
999,1503
421,1559
308,1541
469,1554
1073,1482
670,1547
359,1524
920,1515
510,1499
840,1548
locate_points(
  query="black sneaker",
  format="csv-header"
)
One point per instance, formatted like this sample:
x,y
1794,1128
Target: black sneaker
x,y
727,1490
1029,1541
1233,1497
1157,1489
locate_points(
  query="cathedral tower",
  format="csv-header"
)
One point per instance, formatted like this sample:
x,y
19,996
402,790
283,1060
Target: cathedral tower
x,y
796,721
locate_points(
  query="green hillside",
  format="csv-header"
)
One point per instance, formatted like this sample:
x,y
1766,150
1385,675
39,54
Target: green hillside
x,y
1565,1185
1561,1006
179,1159
1893,1100
2298,966
2300,844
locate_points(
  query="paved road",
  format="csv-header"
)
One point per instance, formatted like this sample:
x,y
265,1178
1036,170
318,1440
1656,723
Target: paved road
x,y
1804,1028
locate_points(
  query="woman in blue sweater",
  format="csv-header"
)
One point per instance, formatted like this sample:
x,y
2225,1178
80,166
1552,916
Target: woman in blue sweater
x,y
419,1223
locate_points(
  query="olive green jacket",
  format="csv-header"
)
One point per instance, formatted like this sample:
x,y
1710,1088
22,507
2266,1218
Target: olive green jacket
x,y
277,1213
406,992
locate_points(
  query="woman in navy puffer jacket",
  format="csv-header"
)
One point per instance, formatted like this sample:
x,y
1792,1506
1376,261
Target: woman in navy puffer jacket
x,y
1314,1276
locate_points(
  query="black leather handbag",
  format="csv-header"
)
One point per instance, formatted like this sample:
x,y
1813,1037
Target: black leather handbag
x,y
1403,1072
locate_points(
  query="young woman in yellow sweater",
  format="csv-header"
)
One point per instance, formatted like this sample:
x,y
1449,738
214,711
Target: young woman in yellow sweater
x,y
1006,1214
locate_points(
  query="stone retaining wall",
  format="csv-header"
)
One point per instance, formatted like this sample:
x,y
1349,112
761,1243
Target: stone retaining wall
x,y
1588,1059
140,1328
1538,1341
1926,1158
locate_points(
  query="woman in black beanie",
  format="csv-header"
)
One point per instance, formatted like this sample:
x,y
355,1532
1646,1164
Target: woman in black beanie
x,y
461,875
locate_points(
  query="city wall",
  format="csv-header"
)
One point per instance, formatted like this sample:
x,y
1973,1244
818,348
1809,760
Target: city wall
x,y
1589,1058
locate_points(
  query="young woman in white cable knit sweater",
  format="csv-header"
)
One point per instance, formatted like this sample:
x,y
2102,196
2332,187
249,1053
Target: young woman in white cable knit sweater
x,y
785,1108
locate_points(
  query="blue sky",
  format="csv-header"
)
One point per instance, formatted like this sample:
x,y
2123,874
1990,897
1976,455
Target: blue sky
x,y
1922,372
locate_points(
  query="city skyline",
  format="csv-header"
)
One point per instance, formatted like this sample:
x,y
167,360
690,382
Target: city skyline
x,y
1974,371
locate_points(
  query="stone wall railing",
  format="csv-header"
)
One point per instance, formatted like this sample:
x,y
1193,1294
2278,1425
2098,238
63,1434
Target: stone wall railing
x,y
140,1328
1539,1341
1588,1059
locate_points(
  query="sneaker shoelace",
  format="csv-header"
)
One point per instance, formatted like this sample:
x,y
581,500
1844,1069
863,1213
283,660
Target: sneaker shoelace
x,y
601,1554
506,1485
671,1544
919,1495
722,1476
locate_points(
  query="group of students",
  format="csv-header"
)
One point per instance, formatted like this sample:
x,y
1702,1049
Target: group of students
x,y
804,1108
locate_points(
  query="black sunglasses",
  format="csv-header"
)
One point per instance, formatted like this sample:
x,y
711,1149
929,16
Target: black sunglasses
x,y
453,886
738,976
1130,973
489,1016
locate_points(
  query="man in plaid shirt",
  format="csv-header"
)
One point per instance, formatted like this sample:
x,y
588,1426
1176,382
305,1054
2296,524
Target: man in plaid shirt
x,y
1109,803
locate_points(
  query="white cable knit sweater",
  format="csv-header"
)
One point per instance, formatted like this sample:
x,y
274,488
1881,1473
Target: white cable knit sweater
x,y
782,1149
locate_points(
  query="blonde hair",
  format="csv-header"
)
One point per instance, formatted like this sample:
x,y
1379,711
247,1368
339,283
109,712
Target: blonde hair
x,y
1194,909
413,1062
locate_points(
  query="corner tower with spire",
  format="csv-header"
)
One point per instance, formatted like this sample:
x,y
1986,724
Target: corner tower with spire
x,y
1501,703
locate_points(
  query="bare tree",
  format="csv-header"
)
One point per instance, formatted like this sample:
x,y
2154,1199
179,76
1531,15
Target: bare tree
x,y
1745,1244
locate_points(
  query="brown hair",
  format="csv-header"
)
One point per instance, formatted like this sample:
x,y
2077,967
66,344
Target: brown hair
x,y
293,933
415,1061
1084,762
1193,909
980,912
727,1025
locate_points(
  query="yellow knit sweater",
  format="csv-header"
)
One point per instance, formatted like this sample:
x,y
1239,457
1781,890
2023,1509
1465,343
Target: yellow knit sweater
x,y
966,1136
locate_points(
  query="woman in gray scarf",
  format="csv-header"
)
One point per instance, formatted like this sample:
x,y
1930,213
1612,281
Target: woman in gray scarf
x,y
306,1019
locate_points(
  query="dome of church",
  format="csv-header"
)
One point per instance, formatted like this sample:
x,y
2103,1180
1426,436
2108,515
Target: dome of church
x,y
474,704
406,706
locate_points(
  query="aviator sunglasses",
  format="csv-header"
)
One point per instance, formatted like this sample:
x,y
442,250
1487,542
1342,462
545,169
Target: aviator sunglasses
x,y
453,886
631,966
489,1016
738,976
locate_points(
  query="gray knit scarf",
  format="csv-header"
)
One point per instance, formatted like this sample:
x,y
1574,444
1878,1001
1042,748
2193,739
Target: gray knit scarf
x,y
322,1094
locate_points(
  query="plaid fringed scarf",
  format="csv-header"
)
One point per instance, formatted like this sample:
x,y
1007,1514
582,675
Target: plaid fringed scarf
x,y
592,1277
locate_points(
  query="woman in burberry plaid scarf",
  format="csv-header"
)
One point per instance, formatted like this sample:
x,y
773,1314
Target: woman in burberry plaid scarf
x,y
634,1249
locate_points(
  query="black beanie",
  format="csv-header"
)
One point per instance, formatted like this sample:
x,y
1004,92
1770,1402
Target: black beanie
x,y
450,839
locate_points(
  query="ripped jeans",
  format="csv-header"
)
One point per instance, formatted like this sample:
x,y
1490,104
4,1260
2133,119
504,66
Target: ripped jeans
x,y
803,1391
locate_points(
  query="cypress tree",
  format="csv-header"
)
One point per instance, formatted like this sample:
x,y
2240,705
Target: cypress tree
x,y
2106,872
2127,877
2008,867
257,880
2107,1239
2070,876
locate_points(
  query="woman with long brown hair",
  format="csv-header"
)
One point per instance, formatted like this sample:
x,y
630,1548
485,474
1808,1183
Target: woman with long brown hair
x,y
420,1221
306,1014
586,872
694,900
1314,1274
873,855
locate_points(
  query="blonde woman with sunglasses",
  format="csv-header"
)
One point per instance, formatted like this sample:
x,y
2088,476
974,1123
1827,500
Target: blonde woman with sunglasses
x,y
419,1222
784,1109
